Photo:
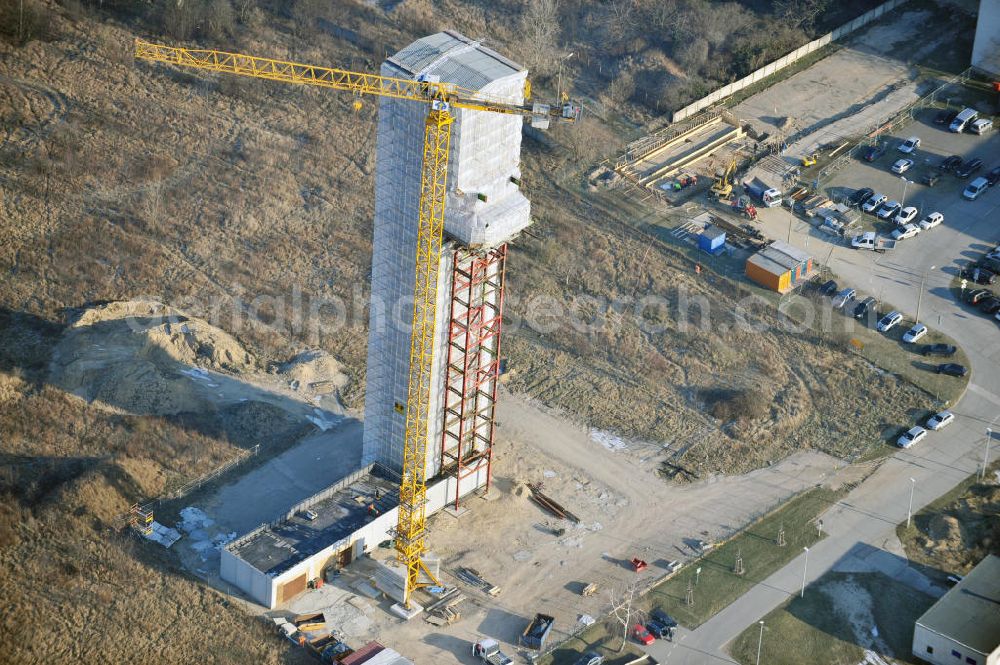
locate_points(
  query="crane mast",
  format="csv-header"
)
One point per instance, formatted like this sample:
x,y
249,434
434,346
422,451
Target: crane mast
x,y
441,97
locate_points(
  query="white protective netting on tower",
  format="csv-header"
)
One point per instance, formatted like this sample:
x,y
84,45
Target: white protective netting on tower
x,y
484,157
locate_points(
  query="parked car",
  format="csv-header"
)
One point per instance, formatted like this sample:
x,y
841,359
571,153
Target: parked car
x,y
975,295
993,177
940,420
828,288
950,163
943,350
659,631
915,333
968,168
642,635
659,615
931,178
909,145
590,658
994,255
911,436
889,321
863,307
979,275
931,220
874,153
873,202
952,369
981,126
843,298
888,210
860,196
906,215
990,305
975,188
904,232
902,165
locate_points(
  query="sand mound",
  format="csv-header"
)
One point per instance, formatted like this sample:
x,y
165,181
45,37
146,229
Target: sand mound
x,y
945,531
133,355
316,371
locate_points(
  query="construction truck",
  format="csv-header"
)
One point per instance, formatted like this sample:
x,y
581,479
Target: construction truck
x,y
538,630
810,160
769,196
723,186
488,651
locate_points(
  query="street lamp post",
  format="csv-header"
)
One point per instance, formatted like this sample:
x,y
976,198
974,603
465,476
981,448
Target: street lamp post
x,y
920,293
559,83
909,506
905,183
986,455
805,566
760,640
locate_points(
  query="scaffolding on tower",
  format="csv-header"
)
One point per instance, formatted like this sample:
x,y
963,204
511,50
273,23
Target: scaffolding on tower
x,y
473,368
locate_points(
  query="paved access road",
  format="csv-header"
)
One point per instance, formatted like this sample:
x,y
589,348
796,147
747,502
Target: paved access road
x,y
870,513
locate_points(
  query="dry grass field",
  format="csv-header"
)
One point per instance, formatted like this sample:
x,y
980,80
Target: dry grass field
x,y
234,200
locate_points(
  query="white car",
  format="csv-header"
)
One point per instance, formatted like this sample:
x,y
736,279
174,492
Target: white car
x,y
914,435
889,321
902,165
915,333
872,204
909,145
843,298
906,215
904,232
931,220
940,420
888,209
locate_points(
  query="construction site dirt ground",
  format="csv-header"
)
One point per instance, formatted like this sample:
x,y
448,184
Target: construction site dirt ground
x,y
868,79
625,509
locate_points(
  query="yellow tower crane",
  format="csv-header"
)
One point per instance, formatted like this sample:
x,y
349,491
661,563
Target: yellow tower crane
x,y
441,97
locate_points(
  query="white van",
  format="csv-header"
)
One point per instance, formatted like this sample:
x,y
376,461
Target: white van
x,y
981,126
975,188
961,120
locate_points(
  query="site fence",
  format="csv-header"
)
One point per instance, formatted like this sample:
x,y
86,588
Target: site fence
x,y
784,61
122,520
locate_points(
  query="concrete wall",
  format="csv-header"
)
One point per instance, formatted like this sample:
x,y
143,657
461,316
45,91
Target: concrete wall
x,y
264,588
986,49
784,61
943,646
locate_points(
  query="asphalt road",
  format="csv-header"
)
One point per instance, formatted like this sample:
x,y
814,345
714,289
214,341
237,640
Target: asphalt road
x,y
870,513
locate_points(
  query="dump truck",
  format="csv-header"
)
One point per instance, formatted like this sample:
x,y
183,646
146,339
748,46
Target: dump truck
x,y
869,240
329,649
488,651
535,634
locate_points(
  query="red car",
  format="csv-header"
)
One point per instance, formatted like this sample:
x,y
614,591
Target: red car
x,y
641,635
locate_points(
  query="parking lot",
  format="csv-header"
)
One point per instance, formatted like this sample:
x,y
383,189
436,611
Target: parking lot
x,y
934,257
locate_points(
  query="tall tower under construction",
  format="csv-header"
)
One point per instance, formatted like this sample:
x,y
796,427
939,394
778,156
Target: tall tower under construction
x,y
485,209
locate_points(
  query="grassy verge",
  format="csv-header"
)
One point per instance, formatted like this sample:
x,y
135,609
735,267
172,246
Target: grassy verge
x,y
887,350
603,637
717,585
821,623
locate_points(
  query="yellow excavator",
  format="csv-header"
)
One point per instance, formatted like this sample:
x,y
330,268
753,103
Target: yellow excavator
x,y
723,185
810,160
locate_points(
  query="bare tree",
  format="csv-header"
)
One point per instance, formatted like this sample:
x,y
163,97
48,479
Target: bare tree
x,y
621,597
540,28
